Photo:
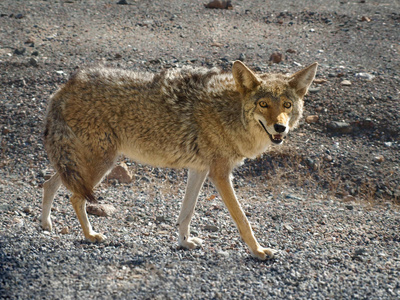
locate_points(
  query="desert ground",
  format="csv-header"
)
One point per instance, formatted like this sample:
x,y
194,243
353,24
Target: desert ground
x,y
328,198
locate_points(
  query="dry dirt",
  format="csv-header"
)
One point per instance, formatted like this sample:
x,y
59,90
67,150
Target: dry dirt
x,y
339,169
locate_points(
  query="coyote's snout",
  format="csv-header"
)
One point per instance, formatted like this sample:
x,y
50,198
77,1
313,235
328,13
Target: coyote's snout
x,y
205,120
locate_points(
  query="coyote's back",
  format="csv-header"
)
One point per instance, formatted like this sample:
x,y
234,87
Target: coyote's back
x,y
205,120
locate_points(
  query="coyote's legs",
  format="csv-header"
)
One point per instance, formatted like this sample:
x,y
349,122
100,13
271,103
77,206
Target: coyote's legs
x,y
79,204
195,182
50,188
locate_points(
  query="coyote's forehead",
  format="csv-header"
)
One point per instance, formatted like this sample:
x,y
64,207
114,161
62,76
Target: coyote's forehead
x,y
274,86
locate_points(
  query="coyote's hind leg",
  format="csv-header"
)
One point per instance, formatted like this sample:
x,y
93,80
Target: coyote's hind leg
x,y
195,182
79,205
50,188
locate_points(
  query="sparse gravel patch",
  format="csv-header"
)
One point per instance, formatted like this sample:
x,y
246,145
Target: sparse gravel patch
x,y
328,249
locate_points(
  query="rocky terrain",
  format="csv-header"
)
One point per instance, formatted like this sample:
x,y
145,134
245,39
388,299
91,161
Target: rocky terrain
x,y
328,198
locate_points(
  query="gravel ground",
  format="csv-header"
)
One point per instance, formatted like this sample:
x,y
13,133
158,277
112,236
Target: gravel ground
x,y
328,199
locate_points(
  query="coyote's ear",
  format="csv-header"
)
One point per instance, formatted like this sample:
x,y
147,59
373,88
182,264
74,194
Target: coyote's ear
x,y
302,80
245,79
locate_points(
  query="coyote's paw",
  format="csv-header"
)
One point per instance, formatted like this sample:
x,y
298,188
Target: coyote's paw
x,y
190,243
265,253
95,237
46,224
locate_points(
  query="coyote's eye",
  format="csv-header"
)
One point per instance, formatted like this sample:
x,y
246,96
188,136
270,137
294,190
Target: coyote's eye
x,y
287,105
263,104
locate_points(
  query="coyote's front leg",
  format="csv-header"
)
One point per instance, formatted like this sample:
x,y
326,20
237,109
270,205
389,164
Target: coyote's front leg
x,y
222,181
194,184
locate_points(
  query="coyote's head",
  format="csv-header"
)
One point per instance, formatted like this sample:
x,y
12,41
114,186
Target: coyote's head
x,y
274,101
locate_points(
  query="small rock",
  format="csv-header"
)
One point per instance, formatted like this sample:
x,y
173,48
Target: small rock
x,y
6,130
349,207
294,197
379,158
130,218
65,230
223,254
288,227
18,222
312,163
122,2
219,4
27,210
365,76
242,57
30,41
346,83
291,51
365,19
339,127
33,62
312,119
160,219
120,173
35,53
211,228
320,80
20,51
102,210
218,45
360,251
276,57
314,89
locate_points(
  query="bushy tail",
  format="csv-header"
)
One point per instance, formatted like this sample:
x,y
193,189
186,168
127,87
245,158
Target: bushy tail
x,y
66,152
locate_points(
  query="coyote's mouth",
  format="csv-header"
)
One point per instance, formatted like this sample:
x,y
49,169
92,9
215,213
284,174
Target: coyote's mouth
x,y
276,138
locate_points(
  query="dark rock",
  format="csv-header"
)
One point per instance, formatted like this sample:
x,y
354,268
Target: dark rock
x,y
339,127
276,57
218,4
211,228
20,51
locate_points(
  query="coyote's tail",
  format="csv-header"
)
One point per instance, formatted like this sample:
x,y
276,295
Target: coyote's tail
x,y
66,152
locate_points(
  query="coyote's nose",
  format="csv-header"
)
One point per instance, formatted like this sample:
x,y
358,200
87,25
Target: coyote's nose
x,y
279,128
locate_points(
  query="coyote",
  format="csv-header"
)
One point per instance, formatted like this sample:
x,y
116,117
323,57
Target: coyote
x,y
202,119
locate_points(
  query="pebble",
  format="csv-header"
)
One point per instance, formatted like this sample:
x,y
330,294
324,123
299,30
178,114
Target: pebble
x,y
120,173
379,158
314,89
211,228
223,254
276,57
339,127
365,76
219,4
27,209
292,51
65,230
20,51
312,119
33,62
102,210
346,83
